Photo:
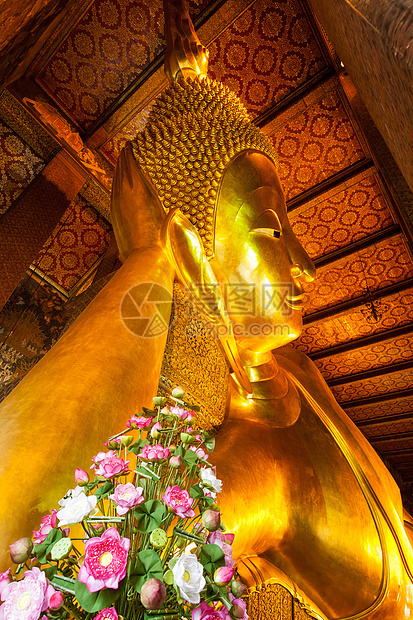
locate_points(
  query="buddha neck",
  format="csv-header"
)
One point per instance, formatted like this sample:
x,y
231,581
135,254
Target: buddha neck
x,y
274,400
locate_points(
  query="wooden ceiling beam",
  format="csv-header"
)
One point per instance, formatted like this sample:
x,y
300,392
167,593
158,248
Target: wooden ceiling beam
x,y
332,182
397,417
373,372
299,93
365,341
378,398
391,437
400,453
356,246
327,313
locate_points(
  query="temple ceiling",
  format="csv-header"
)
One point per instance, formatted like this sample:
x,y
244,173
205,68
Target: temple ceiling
x,y
88,90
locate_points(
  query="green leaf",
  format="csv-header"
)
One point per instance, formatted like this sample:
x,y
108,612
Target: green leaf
x,y
104,489
50,572
212,557
190,458
96,601
210,444
196,492
149,412
138,445
149,516
147,565
41,550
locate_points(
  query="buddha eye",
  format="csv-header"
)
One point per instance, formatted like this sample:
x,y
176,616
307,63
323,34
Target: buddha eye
x,y
268,223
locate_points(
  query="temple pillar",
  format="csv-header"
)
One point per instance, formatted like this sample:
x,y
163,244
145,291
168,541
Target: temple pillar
x,y
372,39
29,222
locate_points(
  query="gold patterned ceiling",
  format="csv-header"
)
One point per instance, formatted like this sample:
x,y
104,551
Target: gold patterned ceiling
x,y
88,89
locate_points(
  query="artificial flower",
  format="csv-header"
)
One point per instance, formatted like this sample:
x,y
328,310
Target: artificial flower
x,y
105,561
111,465
4,580
211,520
56,601
154,453
175,461
209,480
205,612
27,598
223,575
47,524
126,496
75,507
239,607
238,588
109,613
223,541
178,501
189,578
139,422
182,414
81,477
200,452
155,430
178,392
153,593
100,456
20,550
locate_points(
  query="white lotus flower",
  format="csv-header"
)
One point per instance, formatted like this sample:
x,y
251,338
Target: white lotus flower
x,y
189,578
75,507
209,480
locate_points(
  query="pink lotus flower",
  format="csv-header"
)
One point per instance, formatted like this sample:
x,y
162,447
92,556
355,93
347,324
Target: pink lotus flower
x,y
105,561
224,541
182,414
139,422
223,575
179,501
154,453
126,496
153,594
155,430
205,612
56,601
200,452
47,524
20,550
111,465
211,520
4,580
239,607
81,477
27,598
237,588
175,461
109,613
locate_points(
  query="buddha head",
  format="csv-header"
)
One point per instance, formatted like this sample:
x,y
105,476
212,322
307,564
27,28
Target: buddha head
x,y
204,156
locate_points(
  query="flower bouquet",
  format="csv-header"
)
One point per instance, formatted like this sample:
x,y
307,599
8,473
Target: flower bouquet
x,y
143,540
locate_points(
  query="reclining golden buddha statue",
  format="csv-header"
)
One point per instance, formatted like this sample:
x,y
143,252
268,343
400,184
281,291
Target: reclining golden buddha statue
x,y
196,197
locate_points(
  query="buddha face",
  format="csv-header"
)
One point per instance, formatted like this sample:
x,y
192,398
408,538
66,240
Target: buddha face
x,y
258,261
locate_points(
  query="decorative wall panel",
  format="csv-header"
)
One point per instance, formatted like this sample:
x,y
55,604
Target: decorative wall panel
x,y
111,45
266,53
313,141
341,217
79,239
19,165
374,356
393,382
30,323
376,266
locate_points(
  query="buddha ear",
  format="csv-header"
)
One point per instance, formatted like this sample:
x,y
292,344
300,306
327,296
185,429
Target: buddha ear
x,y
186,252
